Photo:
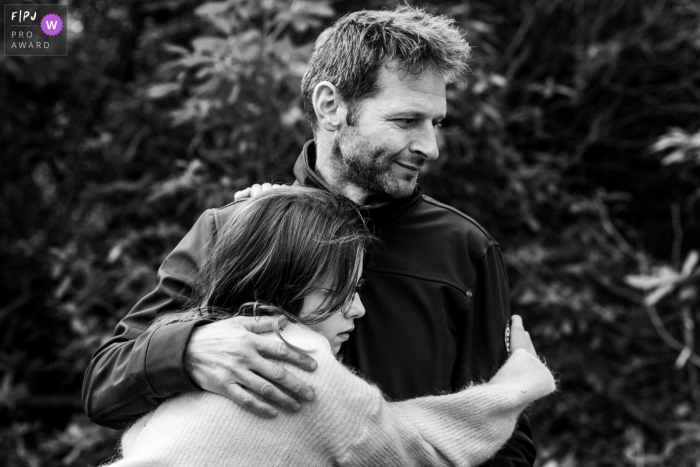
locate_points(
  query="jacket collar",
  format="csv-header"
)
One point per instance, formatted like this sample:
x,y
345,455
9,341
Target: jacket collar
x,y
381,209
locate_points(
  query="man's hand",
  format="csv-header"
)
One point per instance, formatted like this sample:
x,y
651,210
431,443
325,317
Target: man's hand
x,y
519,337
228,358
254,191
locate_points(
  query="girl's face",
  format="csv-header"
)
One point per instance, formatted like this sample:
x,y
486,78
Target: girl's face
x,y
338,326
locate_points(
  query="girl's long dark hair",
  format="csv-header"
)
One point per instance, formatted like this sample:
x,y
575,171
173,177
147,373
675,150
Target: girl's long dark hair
x,y
276,249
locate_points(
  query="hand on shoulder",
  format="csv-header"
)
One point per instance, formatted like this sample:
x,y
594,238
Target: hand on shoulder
x,y
230,358
255,190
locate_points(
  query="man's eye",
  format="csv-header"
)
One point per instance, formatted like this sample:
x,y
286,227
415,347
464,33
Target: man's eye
x,y
437,125
406,121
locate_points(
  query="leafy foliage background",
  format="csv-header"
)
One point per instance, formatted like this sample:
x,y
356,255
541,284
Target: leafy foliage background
x,y
576,143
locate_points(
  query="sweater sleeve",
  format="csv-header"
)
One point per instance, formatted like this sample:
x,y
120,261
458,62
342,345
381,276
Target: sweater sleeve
x,y
462,429
136,369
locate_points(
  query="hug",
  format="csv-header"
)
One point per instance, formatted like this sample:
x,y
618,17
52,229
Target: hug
x,y
233,359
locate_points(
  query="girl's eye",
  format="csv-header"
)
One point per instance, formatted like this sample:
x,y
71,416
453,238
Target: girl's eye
x,y
360,285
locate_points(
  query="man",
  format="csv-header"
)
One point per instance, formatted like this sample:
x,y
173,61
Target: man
x,y
437,292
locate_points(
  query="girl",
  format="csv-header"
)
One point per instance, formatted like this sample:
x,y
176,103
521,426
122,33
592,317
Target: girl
x,y
298,252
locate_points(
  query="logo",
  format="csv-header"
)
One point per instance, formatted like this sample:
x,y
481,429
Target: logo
x,y
36,30
51,24
506,338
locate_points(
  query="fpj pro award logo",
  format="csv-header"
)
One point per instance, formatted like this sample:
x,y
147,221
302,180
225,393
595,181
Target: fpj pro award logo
x,y
38,30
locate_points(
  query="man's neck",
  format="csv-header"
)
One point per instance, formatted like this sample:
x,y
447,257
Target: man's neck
x,y
325,169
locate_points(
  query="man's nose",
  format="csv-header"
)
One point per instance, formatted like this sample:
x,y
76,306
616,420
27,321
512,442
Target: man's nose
x,y
425,142
357,309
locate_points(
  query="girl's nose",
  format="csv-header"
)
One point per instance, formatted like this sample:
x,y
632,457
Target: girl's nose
x,y
357,309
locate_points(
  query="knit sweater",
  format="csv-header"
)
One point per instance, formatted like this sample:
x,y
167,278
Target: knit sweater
x,y
349,422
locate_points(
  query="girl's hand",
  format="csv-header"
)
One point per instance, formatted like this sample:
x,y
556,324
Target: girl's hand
x,y
255,190
519,337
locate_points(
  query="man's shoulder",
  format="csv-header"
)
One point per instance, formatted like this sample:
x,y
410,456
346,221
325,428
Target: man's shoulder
x,y
219,216
229,208
450,220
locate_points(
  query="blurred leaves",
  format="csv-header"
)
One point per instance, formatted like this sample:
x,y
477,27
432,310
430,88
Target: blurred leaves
x,y
684,146
664,279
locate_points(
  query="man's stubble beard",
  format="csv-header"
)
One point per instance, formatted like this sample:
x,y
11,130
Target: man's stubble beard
x,y
359,165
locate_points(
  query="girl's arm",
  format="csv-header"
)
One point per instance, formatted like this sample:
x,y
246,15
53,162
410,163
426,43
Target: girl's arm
x,y
465,428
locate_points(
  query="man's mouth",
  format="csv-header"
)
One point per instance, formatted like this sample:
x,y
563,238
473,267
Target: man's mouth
x,y
408,167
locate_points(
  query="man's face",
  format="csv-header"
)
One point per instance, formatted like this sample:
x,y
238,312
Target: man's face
x,y
393,134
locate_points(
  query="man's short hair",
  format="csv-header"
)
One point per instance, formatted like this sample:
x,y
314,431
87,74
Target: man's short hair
x,y
350,53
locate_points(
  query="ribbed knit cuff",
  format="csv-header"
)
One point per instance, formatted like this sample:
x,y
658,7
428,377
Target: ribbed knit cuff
x,y
528,371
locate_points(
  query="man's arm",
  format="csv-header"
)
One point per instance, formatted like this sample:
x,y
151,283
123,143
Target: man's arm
x,y
487,352
136,369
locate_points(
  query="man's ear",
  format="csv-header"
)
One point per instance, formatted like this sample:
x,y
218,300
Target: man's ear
x,y
328,105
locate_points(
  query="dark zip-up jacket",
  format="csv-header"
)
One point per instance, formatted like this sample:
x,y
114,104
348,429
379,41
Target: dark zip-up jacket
x,y
436,296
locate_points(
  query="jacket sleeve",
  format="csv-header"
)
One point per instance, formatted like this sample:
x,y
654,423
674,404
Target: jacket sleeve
x,y
136,369
484,351
461,429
